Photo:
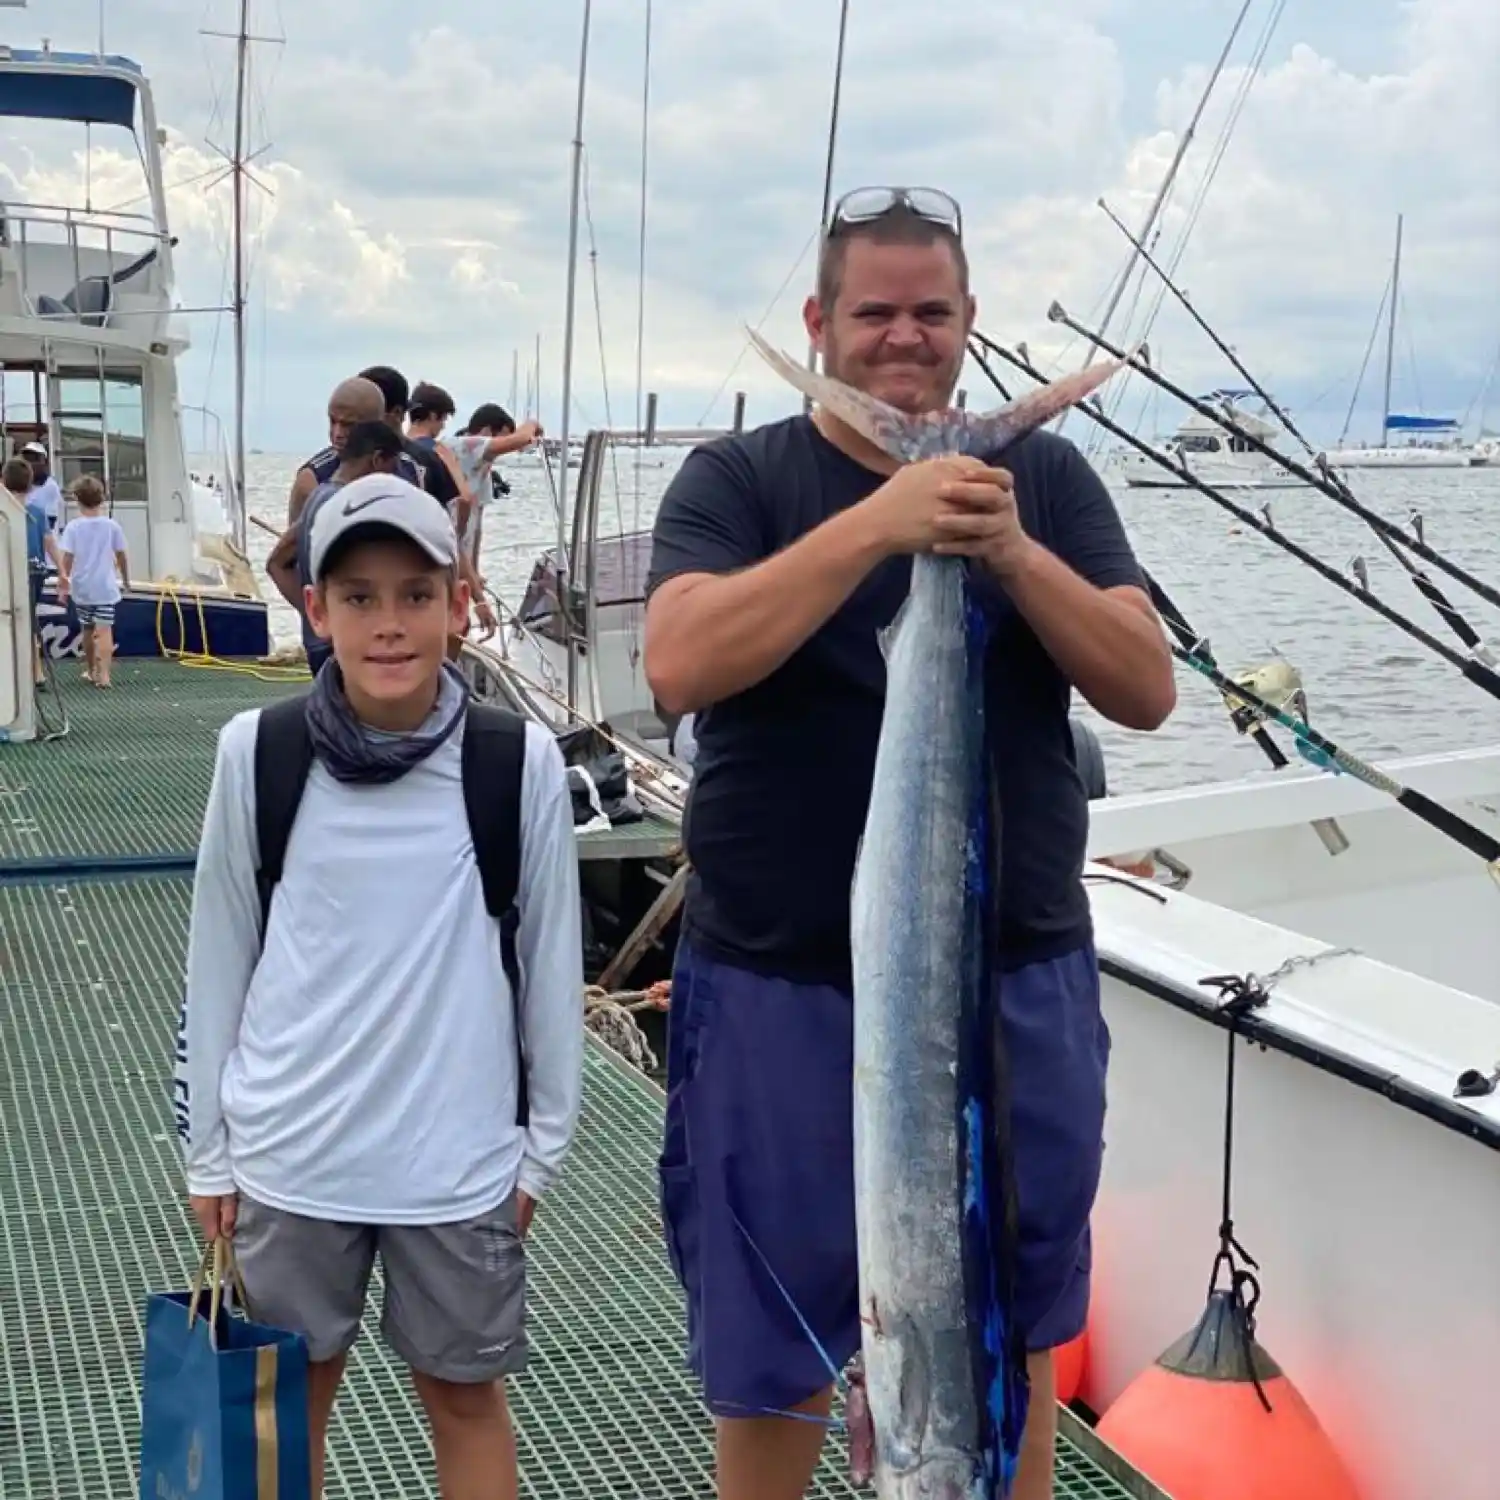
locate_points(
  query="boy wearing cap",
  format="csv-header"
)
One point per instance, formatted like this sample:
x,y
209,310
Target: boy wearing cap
x,y
349,1086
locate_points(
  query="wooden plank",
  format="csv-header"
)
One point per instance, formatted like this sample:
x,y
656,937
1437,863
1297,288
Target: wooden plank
x,y
648,929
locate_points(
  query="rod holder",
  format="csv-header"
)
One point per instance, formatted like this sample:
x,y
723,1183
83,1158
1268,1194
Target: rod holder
x,y
739,411
650,436
963,400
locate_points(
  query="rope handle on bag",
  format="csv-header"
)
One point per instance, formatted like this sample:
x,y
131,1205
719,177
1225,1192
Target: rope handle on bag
x,y
221,1254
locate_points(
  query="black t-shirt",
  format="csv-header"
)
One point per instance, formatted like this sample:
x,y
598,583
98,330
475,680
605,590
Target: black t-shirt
x,y
782,777
436,479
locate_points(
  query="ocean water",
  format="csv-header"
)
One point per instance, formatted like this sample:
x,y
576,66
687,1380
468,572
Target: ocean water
x,y
1369,685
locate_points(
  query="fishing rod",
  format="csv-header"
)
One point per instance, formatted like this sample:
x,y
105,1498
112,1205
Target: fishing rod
x,y
1474,670
1326,755
1446,609
1166,607
1491,595
1257,709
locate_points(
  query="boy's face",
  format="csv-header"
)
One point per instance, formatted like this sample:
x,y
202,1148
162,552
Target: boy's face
x,y
388,611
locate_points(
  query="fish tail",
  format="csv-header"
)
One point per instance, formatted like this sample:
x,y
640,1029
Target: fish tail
x,y
990,1230
989,432
892,431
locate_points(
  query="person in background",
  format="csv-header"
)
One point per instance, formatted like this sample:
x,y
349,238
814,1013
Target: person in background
x,y
430,410
41,546
48,495
491,433
353,401
438,481
94,571
370,447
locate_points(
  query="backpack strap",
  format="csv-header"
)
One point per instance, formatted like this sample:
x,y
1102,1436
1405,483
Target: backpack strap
x,y
493,760
283,759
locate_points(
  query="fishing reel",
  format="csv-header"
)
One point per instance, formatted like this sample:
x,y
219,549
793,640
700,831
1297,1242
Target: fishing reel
x,y
1279,683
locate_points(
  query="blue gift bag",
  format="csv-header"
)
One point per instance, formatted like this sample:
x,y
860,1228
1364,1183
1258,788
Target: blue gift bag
x,y
223,1399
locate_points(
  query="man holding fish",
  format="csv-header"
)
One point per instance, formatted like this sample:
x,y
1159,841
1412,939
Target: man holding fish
x,y
782,558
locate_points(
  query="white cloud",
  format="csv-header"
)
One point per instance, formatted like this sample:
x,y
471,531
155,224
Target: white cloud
x,y
420,189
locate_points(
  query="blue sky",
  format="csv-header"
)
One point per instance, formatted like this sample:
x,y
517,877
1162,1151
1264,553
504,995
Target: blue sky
x,y
420,157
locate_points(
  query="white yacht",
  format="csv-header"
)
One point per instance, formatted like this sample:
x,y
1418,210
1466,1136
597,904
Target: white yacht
x,y
1208,451
90,336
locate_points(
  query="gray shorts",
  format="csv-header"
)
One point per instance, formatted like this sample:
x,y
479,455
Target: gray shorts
x,y
455,1294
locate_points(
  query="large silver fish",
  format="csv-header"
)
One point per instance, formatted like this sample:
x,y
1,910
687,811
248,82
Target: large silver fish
x,y
944,1369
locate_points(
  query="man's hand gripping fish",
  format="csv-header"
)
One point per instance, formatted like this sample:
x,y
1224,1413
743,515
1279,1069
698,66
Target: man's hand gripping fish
x,y
944,1364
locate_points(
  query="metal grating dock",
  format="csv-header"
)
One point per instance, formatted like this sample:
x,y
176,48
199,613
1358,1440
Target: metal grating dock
x,y
93,1216
131,777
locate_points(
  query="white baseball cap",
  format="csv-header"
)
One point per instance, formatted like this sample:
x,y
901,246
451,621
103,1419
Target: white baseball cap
x,y
34,447
382,500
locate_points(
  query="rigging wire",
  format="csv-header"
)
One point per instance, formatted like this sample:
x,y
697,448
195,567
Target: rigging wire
x,y
760,322
1200,198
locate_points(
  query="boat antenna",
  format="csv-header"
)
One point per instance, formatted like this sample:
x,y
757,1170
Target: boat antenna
x,y
1446,609
833,135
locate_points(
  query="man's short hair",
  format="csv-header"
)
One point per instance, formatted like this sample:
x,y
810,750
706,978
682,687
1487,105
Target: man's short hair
x,y
17,476
88,491
491,417
428,400
373,440
392,385
898,225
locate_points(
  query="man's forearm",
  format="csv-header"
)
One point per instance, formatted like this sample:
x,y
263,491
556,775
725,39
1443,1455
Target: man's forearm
x,y
288,584
1110,648
722,635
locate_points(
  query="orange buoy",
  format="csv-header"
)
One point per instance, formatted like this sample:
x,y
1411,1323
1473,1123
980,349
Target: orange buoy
x,y
1215,1419
1068,1363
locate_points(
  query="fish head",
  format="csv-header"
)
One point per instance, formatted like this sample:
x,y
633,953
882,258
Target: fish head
x,y
936,434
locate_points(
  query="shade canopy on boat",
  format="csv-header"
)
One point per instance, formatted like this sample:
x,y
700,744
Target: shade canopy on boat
x,y
68,86
1396,423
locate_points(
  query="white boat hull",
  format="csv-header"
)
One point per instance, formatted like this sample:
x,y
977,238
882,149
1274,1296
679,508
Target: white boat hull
x,y
1367,1192
1403,458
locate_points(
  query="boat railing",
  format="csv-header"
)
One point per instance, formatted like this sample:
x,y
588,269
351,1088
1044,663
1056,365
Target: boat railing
x,y
109,260
570,587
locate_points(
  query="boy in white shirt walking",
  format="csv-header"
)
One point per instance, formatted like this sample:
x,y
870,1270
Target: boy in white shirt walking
x,y
94,567
356,1072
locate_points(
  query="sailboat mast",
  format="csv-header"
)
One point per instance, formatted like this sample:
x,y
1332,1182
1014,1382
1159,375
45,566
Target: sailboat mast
x,y
568,317
1390,336
242,60
833,136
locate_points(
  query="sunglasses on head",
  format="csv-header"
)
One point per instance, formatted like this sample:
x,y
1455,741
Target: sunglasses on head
x,y
863,205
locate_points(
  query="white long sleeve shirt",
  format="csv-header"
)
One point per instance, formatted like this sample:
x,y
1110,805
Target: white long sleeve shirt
x,y
363,1068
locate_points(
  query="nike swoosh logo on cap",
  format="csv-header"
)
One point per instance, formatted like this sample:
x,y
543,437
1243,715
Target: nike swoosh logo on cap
x,y
353,507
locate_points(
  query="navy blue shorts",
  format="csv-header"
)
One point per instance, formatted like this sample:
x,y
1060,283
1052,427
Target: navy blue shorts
x,y
757,1169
